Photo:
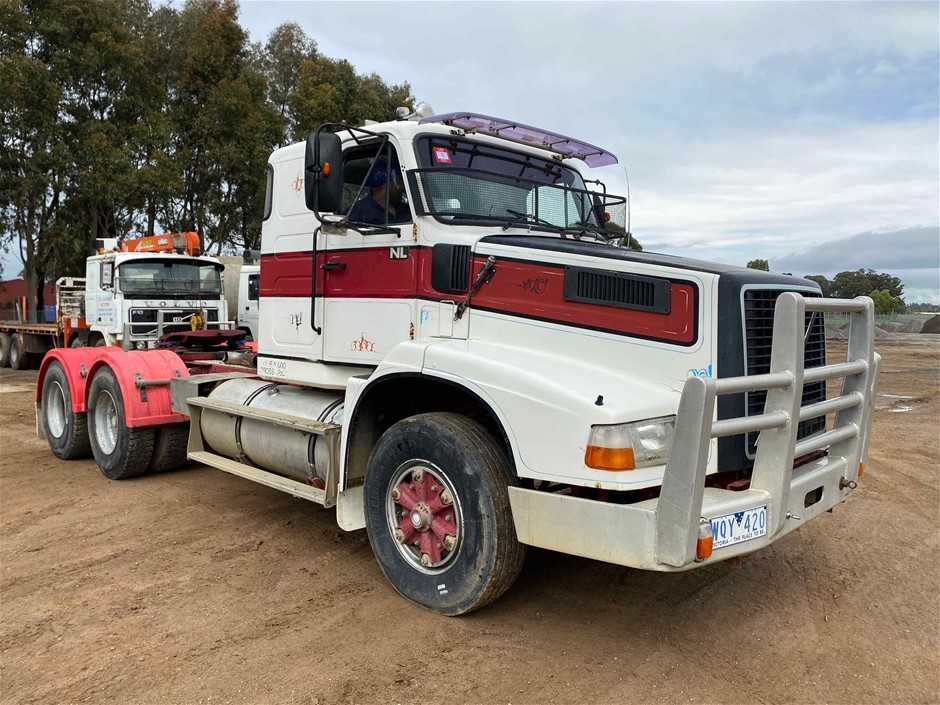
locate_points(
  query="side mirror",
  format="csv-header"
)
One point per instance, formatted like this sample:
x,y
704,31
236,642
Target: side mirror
x,y
323,172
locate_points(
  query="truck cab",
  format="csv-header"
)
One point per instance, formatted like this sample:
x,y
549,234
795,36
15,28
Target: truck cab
x,y
456,350
248,282
151,287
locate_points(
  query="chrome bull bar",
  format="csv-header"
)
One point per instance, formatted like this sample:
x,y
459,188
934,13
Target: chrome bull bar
x,y
684,503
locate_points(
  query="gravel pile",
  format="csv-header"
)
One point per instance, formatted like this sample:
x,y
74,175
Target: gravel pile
x,y
931,325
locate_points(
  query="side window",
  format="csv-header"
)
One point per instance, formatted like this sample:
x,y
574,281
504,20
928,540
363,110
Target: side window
x,y
107,274
268,192
252,287
373,188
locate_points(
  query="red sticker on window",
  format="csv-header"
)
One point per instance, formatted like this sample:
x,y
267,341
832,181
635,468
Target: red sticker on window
x,y
442,156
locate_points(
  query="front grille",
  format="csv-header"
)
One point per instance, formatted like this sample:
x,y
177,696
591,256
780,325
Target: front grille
x,y
758,339
149,315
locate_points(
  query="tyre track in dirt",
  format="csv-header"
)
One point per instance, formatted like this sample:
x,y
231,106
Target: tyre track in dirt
x,y
196,587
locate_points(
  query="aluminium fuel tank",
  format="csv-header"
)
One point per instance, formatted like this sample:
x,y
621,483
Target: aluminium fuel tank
x,y
283,450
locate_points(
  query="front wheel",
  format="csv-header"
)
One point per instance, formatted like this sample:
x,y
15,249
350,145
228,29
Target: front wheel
x,y
120,452
437,513
66,430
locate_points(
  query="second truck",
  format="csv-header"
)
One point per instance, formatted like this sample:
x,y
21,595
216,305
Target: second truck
x,y
132,294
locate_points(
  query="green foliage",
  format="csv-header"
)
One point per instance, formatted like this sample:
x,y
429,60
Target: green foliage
x,y
885,303
620,235
116,116
760,264
865,282
923,307
862,282
824,284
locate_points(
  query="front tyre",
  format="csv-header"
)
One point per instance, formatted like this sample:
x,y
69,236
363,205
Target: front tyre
x,y
120,452
66,430
437,513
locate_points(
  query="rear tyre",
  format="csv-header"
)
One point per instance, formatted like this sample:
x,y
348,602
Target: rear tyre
x,y
6,341
76,342
100,343
120,452
169,448
19,358
437,513
66,430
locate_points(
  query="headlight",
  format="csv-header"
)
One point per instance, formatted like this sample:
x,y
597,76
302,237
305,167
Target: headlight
x,y
140,344
628,446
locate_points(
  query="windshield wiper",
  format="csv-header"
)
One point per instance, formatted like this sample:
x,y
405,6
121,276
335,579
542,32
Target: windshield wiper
x,y
529,219
586,227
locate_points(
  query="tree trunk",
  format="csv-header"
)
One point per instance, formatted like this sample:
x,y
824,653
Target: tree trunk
x,y
29,266
151,216
40,296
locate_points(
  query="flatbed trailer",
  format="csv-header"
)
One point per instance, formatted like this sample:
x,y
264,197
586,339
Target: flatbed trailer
x,y
23,344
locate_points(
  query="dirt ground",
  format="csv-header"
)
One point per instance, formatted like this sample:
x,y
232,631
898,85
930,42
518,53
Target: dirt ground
x,y
197,587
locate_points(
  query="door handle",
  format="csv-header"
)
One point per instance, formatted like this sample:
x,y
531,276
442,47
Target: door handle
x,y
333,265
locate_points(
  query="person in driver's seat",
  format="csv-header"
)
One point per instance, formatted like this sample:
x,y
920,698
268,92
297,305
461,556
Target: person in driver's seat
x,y
371,208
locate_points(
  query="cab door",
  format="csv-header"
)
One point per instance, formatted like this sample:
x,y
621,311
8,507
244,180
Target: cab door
x,y
369,274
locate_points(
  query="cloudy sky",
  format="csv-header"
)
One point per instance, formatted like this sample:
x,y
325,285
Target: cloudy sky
x,y
806,134
802,133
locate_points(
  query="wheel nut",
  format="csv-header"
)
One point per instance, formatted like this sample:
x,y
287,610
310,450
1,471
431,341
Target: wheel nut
x,y
399,535
425,559
396,493
433,488
449,542
449,517
417,475
446,498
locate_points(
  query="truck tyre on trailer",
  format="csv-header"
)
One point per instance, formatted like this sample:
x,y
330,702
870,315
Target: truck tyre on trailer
x,y
437,513
5,344
66,430
169,448
19,358
120,452
76,342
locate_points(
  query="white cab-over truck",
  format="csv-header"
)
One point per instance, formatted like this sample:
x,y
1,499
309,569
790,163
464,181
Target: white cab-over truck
x,y
456,352
131,295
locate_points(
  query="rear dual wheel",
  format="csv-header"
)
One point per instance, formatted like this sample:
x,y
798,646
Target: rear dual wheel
x,y
66,430
123,452
437,513
6,340
120,452
19,358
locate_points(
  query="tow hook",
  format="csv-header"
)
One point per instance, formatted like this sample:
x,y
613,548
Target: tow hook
x,y
791,515
843,483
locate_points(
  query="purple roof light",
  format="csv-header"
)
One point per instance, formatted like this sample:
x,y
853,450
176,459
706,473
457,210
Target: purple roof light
x,y
525,134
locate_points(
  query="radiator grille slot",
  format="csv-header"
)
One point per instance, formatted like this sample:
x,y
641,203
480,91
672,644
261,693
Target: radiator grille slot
x,y
615,289
758,339
450,267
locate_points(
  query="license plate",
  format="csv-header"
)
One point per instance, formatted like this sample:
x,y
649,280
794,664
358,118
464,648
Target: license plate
x,y
739,527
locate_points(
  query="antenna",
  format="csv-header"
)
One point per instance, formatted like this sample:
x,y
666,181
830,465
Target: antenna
x,y
629,232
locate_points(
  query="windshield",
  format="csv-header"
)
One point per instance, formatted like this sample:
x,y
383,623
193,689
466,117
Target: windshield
x,y
460,179
170,276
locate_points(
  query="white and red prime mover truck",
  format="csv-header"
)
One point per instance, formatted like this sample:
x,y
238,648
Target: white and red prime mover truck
x,y
470,364
132,294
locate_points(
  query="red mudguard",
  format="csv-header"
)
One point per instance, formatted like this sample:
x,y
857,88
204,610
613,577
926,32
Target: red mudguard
x,y
152,408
